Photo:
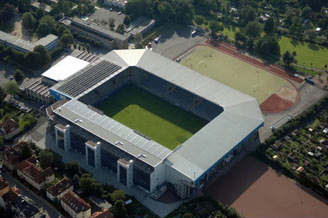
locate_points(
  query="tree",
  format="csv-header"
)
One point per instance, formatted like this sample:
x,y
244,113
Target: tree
x,y
45,56
39,13
117,195
19,75
87,183
67,39
269,26
43,30
25,152
72,168
111,22
2,95
120,28
7,13
46,158
127,20
11,88
289,59
138,37
268,46
119,210
47,24
166,11
24,5
253,29
184,11
2,144
188,215
28,21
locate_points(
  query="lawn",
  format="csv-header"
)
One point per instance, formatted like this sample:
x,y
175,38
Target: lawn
x,y
308,54
152,116
233,72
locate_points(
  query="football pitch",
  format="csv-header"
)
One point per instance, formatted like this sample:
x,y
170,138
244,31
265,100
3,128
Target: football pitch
x,y
152,116
233,72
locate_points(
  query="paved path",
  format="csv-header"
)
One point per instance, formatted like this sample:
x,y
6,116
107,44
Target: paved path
x,y
50,209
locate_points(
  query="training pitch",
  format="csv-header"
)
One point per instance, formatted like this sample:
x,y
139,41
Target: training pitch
x,y
233,72
152,116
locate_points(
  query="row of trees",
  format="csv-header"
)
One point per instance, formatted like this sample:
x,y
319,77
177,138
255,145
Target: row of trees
x,y
35,59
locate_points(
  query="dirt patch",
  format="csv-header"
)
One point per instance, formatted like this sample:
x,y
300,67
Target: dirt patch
x,y
276,104
257,191
289,94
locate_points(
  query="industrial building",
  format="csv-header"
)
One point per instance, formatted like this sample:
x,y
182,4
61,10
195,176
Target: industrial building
x,y
109,39
50,42
233,121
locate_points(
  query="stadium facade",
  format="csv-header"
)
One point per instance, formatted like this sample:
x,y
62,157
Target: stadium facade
x,y
234,119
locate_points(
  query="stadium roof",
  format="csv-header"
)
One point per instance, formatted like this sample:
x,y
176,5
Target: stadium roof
x,y
65,68
114,132
241,115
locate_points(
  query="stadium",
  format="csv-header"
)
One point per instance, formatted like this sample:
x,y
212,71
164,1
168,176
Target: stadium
x,y
152,121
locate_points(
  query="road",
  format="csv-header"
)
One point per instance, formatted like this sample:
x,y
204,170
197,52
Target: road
x,y
50,209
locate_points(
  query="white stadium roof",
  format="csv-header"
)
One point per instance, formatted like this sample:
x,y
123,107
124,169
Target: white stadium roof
x,y
241,115
65,68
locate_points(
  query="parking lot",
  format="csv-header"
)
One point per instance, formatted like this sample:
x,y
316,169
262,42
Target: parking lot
x,y
176,40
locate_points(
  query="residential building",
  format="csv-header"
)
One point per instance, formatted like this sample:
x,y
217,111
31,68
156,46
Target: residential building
x,y
9,128
58,190
4,189
35,175
102,214
21,205
75,206
10,157
115,3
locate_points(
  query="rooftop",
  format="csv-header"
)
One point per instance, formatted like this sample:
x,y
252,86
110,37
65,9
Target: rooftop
x,y
38,175
75,202
60,187
65,68
102,214
241,115
9,126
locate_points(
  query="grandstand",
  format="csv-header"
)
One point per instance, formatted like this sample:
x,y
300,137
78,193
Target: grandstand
x,y
232,120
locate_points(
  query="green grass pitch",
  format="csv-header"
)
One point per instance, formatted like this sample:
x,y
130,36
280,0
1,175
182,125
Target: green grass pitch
x,y
152,116
233,72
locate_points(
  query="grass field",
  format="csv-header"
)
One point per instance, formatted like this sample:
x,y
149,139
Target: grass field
x,y
307,53
152,116
233,72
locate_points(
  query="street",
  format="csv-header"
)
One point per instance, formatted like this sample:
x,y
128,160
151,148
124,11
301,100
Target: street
x,y
50,209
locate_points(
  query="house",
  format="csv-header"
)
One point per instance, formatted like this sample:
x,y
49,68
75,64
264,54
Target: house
x,y
21,205
58,190
35,175
102,214
4,189
10,155
75,206
9,128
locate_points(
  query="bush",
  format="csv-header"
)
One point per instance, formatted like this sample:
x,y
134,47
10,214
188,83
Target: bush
x,y
117,195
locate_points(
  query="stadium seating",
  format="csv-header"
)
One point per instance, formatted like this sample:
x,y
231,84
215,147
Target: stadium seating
x,y
181,97
207,110
154,85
